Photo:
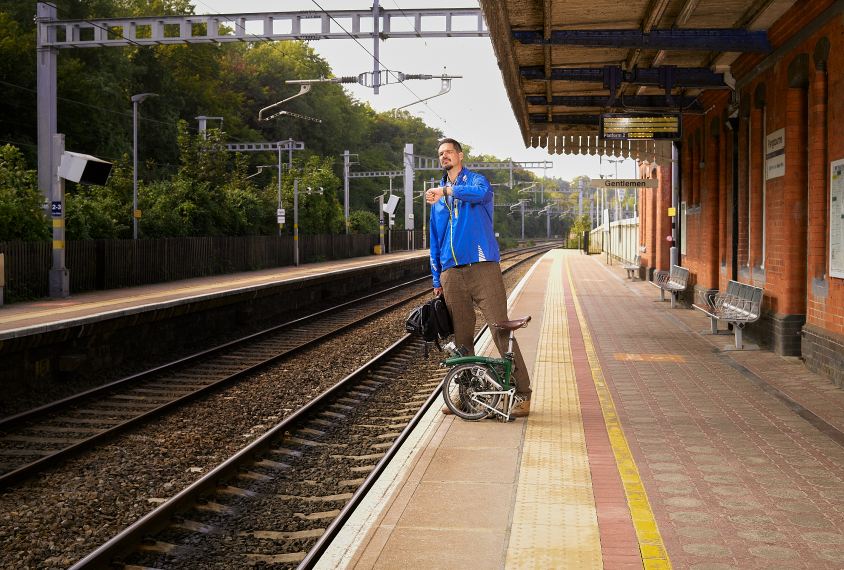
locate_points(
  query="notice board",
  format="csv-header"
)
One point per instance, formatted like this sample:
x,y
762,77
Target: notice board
x,y
836,219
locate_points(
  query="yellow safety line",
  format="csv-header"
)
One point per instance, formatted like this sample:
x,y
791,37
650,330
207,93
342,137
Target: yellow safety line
x,y
651,546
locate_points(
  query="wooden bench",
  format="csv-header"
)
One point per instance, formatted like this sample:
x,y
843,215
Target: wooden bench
x,y
633,268
674,282
739,304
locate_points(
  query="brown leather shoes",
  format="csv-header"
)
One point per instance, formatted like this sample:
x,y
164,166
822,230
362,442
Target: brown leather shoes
x,y
521,409
446,410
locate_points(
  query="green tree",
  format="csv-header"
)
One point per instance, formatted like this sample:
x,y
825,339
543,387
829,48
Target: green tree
x,y
21,217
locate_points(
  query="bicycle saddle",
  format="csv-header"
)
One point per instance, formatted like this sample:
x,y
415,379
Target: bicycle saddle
x,y
512,325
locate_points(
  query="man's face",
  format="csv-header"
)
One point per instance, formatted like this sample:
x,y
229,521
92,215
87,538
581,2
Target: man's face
x,y
449,157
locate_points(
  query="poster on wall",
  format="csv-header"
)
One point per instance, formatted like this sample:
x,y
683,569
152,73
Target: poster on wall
x,y
836,219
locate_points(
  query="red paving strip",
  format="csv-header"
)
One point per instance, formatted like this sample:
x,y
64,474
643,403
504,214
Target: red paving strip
x,y
619,545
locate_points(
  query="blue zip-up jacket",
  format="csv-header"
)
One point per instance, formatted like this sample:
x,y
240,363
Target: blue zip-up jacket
x,y
463,233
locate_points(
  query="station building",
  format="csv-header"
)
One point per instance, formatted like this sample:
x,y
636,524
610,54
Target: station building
x,y
757,175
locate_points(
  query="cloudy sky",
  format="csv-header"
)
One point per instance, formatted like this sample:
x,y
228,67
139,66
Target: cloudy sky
x,y
476,110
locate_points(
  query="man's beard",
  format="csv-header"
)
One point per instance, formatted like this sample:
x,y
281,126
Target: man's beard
x,y
448,167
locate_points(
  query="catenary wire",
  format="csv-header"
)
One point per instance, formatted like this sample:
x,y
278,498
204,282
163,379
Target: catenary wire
x,y
379,62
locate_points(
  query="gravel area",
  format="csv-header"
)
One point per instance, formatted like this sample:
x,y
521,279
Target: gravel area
x,y
55,520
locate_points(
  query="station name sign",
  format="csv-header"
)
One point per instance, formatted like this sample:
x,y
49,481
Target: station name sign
x,y
626,183
641,126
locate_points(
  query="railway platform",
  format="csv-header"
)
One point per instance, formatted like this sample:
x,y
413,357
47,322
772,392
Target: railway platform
x,y
48,340
647,446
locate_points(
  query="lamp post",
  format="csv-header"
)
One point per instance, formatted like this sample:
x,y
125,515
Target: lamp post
x,y
296,217
136,100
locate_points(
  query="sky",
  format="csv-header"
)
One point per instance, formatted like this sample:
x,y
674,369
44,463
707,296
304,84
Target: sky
x,y
476,111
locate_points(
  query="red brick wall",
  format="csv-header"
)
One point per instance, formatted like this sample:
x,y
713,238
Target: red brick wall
x,y
796,226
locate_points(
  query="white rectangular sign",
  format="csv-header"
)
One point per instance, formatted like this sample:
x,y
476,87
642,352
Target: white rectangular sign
x,y
775,154
625,183
836,219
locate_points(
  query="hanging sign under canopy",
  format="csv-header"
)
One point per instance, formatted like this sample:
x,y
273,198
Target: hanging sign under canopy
x,y
638,126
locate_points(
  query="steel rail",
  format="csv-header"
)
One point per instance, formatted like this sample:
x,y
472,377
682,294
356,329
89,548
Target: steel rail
x,y
157,520
16,420
30,415
24,472
324,541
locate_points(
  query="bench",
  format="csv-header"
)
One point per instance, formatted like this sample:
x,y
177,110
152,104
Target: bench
x,y
739,304
674,282
633,268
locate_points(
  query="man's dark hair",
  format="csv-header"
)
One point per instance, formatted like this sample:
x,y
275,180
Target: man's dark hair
x,y
453,142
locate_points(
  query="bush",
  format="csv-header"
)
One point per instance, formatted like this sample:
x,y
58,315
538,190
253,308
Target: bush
x,y
363,222
505,243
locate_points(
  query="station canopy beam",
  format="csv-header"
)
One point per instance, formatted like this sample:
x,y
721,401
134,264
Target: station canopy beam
x,y
685,77
729,39
629,102
269,26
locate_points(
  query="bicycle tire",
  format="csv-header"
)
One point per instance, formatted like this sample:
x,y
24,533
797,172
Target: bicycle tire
x,y
462,382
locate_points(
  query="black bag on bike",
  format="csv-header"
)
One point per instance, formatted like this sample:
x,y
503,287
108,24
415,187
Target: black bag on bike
x,y
431,321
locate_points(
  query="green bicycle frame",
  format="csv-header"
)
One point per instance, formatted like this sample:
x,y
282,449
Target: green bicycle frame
x,y
508,366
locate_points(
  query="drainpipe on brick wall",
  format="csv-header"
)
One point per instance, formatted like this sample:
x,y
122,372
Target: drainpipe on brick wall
x,y
817,203
733,124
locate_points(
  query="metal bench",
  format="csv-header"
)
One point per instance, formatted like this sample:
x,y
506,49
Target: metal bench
x,y
739,304
674,282
633,268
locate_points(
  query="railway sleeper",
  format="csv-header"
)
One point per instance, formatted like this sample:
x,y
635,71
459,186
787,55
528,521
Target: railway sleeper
x,y
280,535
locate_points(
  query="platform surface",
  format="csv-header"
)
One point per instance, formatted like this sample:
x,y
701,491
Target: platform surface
x,y
647,446
47,311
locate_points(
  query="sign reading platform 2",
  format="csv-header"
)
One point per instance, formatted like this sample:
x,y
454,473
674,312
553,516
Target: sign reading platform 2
x,y
641,126
775,154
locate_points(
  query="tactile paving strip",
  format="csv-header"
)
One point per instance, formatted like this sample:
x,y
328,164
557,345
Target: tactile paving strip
x,y
555,523
649,357
651,546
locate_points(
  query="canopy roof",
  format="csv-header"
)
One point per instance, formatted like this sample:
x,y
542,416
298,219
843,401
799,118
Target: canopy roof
x,y
564,62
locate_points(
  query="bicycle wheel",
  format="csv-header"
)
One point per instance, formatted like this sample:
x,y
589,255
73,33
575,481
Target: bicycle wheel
x,y
462,383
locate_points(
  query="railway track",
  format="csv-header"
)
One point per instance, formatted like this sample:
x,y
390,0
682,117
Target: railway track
x,y
273,500
39,439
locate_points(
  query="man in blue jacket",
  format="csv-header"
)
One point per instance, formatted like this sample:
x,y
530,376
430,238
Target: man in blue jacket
x,y
465,256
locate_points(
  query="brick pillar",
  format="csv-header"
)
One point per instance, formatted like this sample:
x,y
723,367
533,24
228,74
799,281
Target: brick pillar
x,y
653,244
744,229
708,277
792,240
757,168
663,221
723,218
817,231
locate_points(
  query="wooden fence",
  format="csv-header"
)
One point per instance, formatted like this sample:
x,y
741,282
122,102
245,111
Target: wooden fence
x,y
110,264
403,240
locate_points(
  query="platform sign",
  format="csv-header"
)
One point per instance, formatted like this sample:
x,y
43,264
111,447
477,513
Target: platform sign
x,y
641,126
57,208
836,219
775,154
672,211
625,183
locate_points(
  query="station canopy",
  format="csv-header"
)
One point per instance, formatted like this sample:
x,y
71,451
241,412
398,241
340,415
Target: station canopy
x,y
567,62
